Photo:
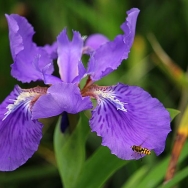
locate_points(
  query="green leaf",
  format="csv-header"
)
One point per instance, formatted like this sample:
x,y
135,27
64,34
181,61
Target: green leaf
x,y
28,174
177,178
173,113
157,173
70,151
170,68
136,178
98,168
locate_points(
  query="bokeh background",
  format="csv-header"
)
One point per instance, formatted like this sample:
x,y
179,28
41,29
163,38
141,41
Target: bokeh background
x,y
159,22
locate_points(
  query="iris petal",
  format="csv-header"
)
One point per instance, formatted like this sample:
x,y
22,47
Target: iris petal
x,y
20,136
110,55
69,55
94,41
142,122
51,50
29,60
59,98
129,29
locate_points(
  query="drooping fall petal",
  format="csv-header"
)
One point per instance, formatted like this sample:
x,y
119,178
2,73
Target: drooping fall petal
x,y
20,136
126,116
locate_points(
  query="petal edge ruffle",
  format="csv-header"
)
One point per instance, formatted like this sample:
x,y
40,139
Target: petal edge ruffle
x,y
145,122
28,59
109,56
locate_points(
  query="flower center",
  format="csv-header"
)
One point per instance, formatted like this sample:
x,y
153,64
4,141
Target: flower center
x,y
104,94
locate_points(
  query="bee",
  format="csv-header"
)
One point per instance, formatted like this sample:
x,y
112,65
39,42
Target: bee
x,y
141,150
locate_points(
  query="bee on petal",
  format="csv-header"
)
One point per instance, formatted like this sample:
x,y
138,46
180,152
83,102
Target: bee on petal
x,y
141,150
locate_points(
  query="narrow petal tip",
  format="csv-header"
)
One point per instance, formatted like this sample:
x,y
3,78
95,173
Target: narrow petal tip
x,y
109,56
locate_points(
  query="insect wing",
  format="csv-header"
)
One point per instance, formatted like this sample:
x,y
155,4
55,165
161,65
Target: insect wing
x,y
137,155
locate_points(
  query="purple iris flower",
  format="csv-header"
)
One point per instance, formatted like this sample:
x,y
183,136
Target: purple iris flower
x,y
124,116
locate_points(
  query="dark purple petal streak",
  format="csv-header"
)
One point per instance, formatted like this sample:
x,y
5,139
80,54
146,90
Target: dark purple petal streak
x,y
127,116
20,136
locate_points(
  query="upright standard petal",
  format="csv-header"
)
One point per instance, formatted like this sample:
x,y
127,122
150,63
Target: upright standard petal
x,y
69,56
29,59
110,55
128,116
51,50
20,136
49,78
129,29
93,42
59,98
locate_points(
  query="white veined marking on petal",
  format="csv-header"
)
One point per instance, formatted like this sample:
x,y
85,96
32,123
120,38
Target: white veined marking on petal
x,y
110,95
22,97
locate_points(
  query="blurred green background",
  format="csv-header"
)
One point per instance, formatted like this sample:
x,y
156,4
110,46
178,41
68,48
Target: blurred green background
x,y
166,20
